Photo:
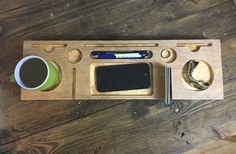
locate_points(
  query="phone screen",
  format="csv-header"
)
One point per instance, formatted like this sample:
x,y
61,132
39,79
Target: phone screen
x,y
123,77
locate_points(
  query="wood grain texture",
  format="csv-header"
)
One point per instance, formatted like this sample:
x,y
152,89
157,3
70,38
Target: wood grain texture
x,y
216,147
133,127
26,118
227,131
11,5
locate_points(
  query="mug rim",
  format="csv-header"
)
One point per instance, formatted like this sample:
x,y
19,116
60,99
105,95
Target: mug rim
x,y
18,68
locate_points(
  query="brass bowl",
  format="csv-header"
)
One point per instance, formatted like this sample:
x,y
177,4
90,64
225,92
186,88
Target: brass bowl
x,y
197,74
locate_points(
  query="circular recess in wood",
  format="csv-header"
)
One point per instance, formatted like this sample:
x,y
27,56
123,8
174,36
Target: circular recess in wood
x,y
197,74
168,55
74,56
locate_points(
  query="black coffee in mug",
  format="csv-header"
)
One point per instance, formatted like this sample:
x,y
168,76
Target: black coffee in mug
x,y
33,72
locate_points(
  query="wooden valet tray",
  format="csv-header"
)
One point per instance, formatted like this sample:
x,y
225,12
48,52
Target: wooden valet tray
x,y
78,79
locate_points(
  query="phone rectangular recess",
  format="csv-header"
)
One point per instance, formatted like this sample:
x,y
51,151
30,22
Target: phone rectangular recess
x,y
122,77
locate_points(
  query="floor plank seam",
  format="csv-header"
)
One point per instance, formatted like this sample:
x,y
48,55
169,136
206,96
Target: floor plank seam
x,y
46,129
19,7
60,25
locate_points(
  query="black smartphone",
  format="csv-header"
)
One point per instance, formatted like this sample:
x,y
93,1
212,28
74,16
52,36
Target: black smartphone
x,y
122,77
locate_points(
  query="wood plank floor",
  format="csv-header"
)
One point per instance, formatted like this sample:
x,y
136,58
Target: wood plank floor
x,y
113,126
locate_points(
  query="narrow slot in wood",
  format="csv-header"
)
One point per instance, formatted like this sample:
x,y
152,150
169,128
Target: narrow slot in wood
x,y
194,47
74,83
49,47
168,87
123,45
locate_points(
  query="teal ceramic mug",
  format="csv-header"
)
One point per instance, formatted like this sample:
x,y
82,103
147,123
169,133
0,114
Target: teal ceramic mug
x,y
35,73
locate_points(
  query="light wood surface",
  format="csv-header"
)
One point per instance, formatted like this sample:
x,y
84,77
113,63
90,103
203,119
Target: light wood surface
x,y
84,86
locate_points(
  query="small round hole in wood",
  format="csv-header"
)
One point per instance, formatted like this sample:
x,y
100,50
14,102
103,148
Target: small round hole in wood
x,y
168,55
197,74
74,56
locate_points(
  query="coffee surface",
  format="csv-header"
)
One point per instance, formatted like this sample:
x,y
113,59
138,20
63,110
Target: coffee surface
x,y
33,73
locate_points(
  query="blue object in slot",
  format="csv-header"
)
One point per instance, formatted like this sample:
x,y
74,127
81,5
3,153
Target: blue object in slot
x,y
121,54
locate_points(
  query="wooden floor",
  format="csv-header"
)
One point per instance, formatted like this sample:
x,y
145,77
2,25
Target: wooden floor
x,y
104,127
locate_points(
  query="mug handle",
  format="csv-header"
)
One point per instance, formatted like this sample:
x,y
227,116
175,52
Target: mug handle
x,y
12,78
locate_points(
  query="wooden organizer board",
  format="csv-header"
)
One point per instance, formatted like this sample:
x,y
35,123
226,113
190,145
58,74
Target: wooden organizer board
x,y
78,82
